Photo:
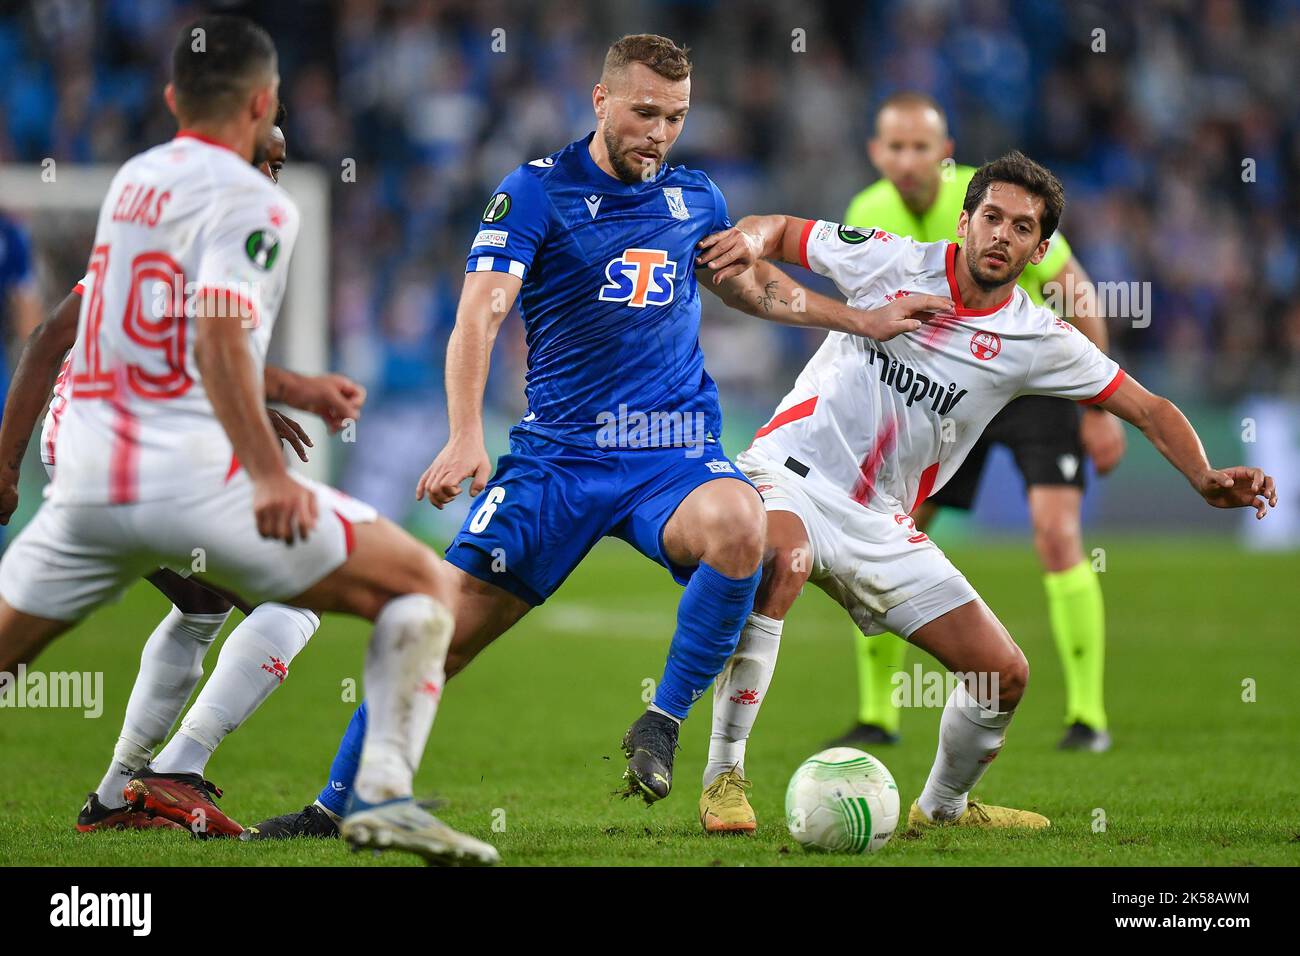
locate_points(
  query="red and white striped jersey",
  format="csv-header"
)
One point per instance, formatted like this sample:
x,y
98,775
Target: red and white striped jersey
x,y
133,422
888,423
59,400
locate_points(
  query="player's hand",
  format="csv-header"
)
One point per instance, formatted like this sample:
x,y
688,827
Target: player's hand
x,y
335,398
1238,487
729,253
457,461
1102,436
907,313
8,496
285,509
290,431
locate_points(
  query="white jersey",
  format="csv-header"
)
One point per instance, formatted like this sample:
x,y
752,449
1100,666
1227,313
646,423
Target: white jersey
x,y
59,400
134,422
888,423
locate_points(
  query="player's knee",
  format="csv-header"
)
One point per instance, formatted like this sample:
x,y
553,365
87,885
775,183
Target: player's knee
x,y
1013,678
1059,543
734,534
425,574
420,573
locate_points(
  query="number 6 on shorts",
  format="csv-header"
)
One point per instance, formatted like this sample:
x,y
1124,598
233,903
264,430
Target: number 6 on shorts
x,y
493,498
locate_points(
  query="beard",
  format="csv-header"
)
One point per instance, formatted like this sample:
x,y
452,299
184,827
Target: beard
x,y
618,160
987,280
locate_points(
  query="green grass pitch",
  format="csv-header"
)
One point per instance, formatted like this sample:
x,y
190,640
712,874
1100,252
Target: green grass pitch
x,y
525,750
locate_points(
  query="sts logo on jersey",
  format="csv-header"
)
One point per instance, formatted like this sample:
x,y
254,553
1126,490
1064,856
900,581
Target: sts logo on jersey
x,y
639,277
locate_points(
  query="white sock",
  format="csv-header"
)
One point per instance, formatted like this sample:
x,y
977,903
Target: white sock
x,y
253,662
404,678
739,692
970,736
170,665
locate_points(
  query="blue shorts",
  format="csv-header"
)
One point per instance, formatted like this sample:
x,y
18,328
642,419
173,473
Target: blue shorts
x,y
548,504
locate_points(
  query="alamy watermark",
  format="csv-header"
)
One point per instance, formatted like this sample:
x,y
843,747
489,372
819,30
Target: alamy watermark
x,y
922,688
75,908
175,297
633,429
1111,300
78,690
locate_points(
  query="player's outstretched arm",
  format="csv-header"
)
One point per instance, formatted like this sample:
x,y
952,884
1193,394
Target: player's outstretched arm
x,y
284,508
1101,434
730,252
29,393
335,398
1169,430
765,291
485,301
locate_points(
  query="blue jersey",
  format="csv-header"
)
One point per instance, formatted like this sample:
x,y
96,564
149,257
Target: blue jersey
x,y
15,272
609,300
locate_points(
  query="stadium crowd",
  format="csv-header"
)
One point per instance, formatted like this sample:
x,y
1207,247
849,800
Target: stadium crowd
x,y
1174,125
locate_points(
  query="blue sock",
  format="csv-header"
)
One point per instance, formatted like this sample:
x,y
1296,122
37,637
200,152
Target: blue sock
x,y
709,618
343,771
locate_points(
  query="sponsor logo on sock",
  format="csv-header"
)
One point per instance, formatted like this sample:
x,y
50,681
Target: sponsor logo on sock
x,y
430,688
74,908
278,668
745,697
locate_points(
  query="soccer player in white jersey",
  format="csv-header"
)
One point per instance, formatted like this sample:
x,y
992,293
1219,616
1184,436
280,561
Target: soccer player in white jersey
x,y
873,427
254,660
165,450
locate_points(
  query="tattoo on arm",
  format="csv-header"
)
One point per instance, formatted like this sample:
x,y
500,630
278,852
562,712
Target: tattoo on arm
x,y
769,295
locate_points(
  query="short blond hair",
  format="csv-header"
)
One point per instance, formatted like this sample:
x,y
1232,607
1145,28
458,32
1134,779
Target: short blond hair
x,y
661,54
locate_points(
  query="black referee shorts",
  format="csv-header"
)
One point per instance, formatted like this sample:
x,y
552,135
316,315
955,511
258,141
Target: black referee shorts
x,y
1043,435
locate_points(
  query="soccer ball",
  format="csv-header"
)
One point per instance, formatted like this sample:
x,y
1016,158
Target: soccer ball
x,y
842,800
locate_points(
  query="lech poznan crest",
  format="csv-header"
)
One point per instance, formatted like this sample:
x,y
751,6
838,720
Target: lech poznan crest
x,y
676,204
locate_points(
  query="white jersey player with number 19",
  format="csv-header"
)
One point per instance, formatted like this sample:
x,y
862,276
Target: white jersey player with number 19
x,y
872,427
182,220
165,452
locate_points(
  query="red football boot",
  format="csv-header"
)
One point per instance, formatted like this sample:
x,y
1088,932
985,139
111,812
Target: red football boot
x,y
185,798
95,816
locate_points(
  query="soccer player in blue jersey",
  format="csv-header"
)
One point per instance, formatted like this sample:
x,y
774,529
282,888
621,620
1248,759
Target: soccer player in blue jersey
x,y
598,243
20,307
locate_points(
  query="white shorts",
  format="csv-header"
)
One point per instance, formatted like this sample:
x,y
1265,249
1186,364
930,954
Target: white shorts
x,y
71,558
877,566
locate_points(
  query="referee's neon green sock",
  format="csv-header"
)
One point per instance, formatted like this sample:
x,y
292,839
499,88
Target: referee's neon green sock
x,y
880,657
1078,616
